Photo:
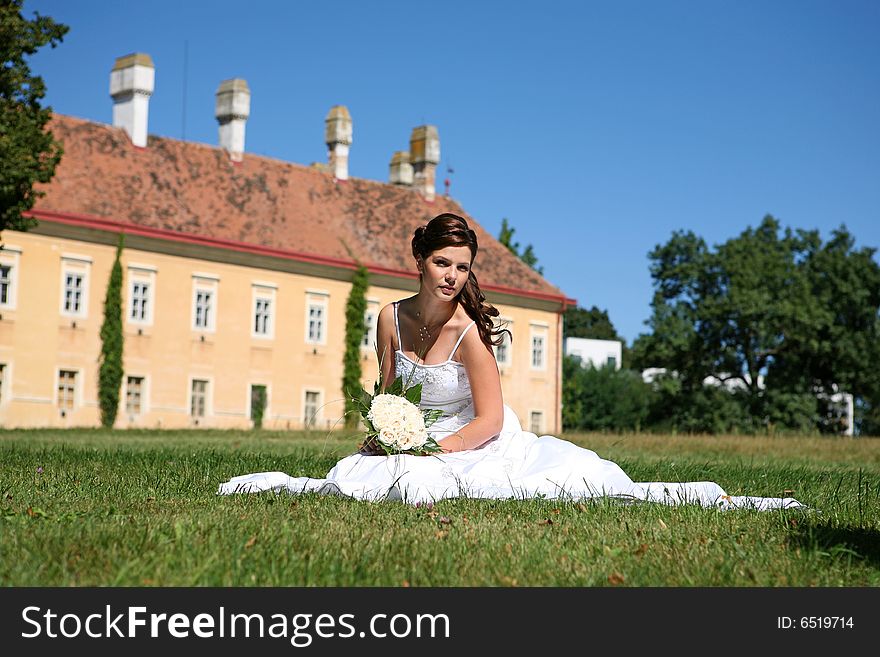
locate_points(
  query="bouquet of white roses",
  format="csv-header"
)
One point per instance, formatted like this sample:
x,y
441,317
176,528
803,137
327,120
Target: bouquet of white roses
x,y
395,423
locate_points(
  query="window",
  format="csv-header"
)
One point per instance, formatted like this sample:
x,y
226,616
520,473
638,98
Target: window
x,y
66,390
204,308
502,351
73,292
74,285
536,422
8,273
198,398
259,401
310,408
134,395
538,352
316,316
140,299
3,374
316,323
5,284
141,287
204,302
611,362
263,318
371,317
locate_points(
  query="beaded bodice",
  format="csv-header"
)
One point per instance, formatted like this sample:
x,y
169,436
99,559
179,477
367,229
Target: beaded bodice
x,y
445,385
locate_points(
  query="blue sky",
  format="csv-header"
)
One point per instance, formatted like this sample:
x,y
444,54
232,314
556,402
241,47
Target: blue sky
x,y
596,128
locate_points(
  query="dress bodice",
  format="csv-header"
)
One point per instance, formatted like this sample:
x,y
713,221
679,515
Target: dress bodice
x,y
444,385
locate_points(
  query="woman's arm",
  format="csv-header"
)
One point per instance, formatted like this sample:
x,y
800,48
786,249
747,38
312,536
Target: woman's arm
x,y
385,345
482,370
385,356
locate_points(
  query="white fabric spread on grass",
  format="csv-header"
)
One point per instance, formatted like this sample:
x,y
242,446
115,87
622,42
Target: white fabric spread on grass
x,y
515,464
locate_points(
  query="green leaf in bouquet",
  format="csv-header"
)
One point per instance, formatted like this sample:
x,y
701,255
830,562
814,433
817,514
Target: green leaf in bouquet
x,y
364,400
414,394
431,416
396,387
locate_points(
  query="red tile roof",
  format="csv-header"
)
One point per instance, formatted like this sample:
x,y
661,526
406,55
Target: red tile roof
x,y
194,189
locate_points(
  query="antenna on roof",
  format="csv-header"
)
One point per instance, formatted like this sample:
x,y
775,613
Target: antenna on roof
x,y
185,67
447,182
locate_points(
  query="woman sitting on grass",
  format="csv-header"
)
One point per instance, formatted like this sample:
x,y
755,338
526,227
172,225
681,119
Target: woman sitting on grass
x,y
442,338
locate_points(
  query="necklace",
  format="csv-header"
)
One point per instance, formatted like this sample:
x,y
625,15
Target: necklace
x,y
424,331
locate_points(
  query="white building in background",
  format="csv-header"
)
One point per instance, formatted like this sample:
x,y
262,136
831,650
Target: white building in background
x,y
601,353
843,402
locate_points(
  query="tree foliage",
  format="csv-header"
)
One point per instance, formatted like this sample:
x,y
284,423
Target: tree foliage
x,y
110,368
505,236
775,315
355,309
603,399
28,152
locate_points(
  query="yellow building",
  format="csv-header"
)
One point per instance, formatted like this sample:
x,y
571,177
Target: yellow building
x,y
236,273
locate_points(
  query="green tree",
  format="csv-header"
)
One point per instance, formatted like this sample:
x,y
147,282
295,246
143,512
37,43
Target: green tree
x,y
593,323
110,368
505,236
28,152
355,309
603,399
773,314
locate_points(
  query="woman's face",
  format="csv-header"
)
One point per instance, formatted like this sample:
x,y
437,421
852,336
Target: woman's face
x,y
445,271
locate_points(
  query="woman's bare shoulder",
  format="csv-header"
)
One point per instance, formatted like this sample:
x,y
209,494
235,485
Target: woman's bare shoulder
x,y
472,345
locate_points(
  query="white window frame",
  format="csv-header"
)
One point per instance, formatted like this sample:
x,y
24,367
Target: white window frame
x,y
139,275
78,384
319,410
144,395
5,382
540,414
371,321
206,283
538,334
10,256
508,343
81,266
209,407
317,299
263,292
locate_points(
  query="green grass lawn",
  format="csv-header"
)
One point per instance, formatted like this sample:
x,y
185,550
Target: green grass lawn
x,y
135,508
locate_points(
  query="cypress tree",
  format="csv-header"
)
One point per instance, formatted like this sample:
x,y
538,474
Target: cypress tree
x,y
355,308
110,369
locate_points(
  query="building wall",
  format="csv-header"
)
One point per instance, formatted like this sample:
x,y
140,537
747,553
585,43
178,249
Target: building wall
x,y
39,338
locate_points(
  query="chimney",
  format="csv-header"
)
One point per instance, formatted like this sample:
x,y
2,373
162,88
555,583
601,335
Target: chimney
x,y
131,85
338,138
232,110
400,170
424,154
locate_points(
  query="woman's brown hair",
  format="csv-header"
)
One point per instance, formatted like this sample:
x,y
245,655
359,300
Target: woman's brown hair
x,y
449,229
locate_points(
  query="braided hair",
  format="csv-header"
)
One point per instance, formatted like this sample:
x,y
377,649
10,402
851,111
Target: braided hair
x,y
449,229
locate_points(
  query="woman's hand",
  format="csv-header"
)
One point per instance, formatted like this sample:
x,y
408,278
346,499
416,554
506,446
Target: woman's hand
x,y
454,442
371,448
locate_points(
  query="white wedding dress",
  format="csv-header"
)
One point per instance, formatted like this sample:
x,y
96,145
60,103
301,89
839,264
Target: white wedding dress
x,y
516,464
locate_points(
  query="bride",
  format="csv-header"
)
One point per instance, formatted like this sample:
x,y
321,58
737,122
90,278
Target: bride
x,y
442,338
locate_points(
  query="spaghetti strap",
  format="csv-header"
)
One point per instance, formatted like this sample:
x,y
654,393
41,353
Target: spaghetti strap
x,y
460,338
397,326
